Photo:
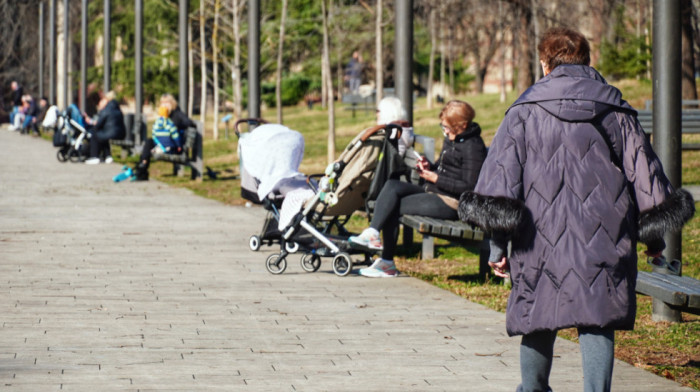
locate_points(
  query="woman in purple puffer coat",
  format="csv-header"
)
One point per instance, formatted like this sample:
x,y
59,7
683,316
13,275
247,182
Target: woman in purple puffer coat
x,y
572,182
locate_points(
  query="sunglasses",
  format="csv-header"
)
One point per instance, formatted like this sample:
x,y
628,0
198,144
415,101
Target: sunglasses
x,y
674,266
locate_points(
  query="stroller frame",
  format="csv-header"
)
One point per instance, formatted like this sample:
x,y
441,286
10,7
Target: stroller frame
x,y
73,149
311,217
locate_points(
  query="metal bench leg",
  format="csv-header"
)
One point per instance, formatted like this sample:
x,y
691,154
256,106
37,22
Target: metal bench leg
x,y
662,312
659,310
484,251
408,236
177,170
428,251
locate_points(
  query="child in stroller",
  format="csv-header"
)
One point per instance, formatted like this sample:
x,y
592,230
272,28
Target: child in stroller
x,y
70,132
311,212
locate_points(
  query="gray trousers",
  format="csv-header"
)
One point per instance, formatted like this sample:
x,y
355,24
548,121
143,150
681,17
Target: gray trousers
x,y
597,352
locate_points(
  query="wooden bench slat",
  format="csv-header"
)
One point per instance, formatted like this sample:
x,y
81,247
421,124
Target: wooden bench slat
x,y
681,291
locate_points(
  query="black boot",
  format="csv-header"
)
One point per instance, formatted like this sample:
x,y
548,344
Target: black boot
x,y
141,172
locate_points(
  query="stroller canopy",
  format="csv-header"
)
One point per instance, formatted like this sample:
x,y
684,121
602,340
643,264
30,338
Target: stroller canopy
x,y
271,153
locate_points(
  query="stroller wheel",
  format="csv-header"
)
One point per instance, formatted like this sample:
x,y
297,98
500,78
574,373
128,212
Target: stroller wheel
x,y
254,243
74,155
291,247
276,264
342,264
310,262
61,155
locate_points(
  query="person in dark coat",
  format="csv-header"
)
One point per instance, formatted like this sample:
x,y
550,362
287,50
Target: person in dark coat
x,y
17,93
109,125
456,171
181,122
571,180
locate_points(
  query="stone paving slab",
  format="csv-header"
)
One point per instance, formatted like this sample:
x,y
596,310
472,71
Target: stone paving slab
x,y
139,286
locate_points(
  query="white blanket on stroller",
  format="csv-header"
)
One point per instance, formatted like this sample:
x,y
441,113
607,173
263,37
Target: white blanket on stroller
x,y
271,153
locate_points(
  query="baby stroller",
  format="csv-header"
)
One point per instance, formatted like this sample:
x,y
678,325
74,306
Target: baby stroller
x,y
70,135
318,229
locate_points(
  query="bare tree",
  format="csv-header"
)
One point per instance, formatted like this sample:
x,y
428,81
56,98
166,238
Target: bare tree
x,y
190,71
481,31
203,65
328,82
431,66
215,63
689,90
238,6
280,48
379,63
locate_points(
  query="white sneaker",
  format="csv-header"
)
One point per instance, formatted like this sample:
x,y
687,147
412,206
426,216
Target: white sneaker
x,y
92,161
380,269
109,159
369,238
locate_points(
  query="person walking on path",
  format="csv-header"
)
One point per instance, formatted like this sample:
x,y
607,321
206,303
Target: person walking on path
x,y
571,180
463,152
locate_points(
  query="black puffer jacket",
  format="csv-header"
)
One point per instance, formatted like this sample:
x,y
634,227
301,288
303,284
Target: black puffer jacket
x,y
180,119
459,163
110,122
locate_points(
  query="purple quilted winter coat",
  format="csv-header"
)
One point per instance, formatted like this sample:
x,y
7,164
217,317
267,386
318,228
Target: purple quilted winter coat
x,y
549,184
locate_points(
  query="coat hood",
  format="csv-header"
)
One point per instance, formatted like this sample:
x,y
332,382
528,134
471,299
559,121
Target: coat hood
x,y
573,93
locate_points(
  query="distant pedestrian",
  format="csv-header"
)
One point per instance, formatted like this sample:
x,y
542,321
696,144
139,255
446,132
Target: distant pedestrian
x,y
353,72
571,180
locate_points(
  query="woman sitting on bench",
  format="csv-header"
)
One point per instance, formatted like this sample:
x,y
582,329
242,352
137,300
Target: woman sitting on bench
x,y
457,170
168,134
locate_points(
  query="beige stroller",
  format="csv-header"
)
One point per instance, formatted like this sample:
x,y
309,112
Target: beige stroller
x,y
318,229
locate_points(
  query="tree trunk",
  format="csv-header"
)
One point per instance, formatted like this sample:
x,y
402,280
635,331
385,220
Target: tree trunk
x,y
280,48
215,64
190,70
431,64
328,81
524,53
203,67
688,88
442,52
237,88
379,61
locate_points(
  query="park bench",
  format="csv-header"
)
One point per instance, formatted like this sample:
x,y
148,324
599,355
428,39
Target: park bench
x,y
675,293
134,136
690,120
358,101
191,154
451,230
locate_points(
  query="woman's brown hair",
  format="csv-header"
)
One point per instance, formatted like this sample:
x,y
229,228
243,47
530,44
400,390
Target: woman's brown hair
x,y
457,114
560,45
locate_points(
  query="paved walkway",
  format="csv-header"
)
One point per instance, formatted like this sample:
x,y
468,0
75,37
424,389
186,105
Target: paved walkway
x,y
139,286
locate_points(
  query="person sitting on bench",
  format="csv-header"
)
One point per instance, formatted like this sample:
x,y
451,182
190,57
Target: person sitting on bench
x,y
457,170
169,130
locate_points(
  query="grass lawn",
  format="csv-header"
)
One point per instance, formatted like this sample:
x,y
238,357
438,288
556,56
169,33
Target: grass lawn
x,y
670,350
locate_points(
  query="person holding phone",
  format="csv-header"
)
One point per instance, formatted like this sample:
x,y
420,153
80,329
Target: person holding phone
x,y
456,171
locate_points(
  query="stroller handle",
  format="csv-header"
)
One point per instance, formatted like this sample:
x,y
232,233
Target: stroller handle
x,y
376,128
255,121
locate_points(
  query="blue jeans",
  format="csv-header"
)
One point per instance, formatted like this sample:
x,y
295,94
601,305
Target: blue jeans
x,y
597,352
13,113
27,124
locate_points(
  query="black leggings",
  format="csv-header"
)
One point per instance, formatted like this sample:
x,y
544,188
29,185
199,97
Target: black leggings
x,y
401,198
148,145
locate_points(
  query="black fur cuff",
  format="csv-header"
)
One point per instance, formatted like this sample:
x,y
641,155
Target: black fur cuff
x,y
492,214
670,215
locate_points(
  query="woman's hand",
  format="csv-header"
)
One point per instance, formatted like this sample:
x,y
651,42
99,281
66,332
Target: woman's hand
x,y
428,175
500,268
